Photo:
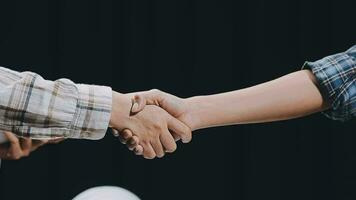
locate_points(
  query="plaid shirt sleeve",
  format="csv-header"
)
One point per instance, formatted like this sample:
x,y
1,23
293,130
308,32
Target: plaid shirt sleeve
x,y
33,107
336,77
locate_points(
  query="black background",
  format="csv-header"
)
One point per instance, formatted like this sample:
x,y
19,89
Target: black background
x,y
186,48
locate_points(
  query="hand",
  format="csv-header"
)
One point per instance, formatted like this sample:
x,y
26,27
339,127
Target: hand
x,y
17,148
126,137
151,126
177,107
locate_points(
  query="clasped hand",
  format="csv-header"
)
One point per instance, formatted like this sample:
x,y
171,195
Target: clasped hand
x,y
150,122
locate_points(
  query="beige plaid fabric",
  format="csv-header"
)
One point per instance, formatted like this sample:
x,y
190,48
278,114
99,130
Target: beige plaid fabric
x,y
33,107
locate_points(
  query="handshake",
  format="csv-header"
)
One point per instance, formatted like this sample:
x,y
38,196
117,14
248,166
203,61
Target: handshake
x,y
151,122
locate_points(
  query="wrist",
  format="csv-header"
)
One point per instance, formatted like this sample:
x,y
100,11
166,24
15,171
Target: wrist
x,y
194,109
121,108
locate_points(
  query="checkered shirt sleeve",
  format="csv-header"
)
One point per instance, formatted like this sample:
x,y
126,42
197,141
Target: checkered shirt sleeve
x,y
336,76
41,109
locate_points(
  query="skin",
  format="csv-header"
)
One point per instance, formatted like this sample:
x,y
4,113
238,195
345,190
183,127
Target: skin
x,y
17,148
291,96
152,123
153,126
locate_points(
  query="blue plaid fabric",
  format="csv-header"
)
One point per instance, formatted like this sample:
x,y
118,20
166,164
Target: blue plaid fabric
x,y
336,76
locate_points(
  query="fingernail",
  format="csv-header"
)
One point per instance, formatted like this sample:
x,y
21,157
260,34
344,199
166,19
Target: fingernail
x,y
115,134
185,140
135,106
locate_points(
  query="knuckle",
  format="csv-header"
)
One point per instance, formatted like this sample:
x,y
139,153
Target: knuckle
x,y
157,126
155,90
139,149
126,135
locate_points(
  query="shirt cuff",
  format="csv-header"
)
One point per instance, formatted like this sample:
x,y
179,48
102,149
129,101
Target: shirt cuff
x,y
334,74
320,77
93,112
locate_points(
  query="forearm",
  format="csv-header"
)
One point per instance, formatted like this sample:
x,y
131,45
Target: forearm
x,y
290,96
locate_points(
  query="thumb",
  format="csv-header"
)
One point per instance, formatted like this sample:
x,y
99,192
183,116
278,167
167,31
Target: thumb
x,y
138,103
151,97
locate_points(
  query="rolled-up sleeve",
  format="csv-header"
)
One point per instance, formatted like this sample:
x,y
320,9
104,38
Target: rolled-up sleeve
x,y
31,106
336,78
